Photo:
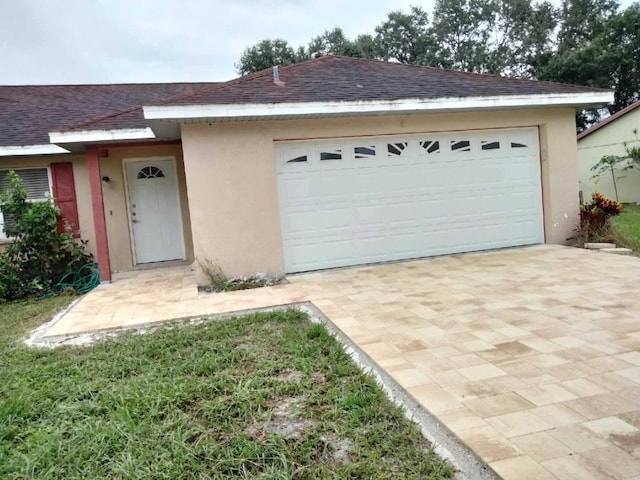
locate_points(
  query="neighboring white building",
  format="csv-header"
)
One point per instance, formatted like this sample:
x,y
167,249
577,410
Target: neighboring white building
x,y
608,138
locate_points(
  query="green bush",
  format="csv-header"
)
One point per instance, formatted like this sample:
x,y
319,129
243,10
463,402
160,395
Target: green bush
x,y
39,256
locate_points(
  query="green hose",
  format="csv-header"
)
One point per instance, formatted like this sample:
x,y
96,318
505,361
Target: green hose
x,y
81,281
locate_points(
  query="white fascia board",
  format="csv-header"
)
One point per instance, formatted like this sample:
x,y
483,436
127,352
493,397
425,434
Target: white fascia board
x,y
88,136
190,112
25,150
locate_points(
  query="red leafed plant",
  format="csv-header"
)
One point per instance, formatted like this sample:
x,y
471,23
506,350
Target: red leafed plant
x,y
595,217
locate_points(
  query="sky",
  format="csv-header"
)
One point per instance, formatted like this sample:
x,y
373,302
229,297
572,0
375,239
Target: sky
x,y
115,41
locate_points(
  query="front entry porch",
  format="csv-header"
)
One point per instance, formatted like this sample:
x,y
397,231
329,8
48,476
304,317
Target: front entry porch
x,y
140,207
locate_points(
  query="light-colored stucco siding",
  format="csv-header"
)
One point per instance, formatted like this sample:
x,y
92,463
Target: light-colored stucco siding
x,y
81,179
609,140
232,189
115,203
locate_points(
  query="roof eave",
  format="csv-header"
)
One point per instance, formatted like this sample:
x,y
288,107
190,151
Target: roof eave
x,y
253,111
100,136
608,120
32,150
77,140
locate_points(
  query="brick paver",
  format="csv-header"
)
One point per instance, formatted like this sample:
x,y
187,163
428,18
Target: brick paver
x,y
530,356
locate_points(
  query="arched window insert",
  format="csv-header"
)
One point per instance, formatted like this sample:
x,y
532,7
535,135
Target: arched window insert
x,y
150,172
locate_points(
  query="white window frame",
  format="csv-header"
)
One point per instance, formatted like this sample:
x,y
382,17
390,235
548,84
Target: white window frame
x,y
3,235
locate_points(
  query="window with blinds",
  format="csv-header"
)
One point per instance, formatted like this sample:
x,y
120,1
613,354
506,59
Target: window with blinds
x,y
36,183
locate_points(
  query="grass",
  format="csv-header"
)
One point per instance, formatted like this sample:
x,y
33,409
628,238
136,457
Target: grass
x,y
265,396
626,227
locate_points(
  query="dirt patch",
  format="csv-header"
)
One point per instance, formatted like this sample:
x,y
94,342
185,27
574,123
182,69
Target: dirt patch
x,y
341,448
285,420
318,378
294,377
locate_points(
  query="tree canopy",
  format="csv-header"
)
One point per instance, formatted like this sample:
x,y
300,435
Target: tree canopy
x,y
585,42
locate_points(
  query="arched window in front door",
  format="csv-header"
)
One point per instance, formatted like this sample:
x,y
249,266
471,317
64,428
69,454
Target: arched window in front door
x,y
150,172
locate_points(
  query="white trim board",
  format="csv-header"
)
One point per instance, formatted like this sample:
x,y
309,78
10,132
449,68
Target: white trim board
x,y
85,136
22,150
222,111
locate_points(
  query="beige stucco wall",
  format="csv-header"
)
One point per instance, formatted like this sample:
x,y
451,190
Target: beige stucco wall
x,y
231,176
115,204
609,140
81,179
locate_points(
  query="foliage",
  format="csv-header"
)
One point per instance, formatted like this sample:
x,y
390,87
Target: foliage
x,y
582,21
609,165
595,217
462,31
584,42
218,281
598,49
269,395
38,256
334,42
268,53
633,153
614,165
407,38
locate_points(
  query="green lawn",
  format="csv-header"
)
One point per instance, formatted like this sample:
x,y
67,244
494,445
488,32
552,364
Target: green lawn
x,y
266,396
626,227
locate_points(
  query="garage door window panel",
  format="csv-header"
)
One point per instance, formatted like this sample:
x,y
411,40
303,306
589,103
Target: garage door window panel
x,y
430,147
459,146
491,145
397,149
365,152
300,159
331,154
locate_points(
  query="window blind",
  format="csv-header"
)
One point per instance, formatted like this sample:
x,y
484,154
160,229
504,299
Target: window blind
x,y
35,181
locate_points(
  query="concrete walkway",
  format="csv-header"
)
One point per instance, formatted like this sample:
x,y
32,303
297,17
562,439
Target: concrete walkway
x,y
530,356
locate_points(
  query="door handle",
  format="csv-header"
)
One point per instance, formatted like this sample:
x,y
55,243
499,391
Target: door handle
x,y
135,221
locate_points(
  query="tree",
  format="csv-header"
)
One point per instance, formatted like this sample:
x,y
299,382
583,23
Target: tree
x,y
462,29
633,152
582,21
619,43
407,38
520,33
268,53
367,45
584,42
333,42
543,23
607,57
609,165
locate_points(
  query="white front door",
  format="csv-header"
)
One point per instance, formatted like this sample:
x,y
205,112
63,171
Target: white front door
x,y
374,199
154,210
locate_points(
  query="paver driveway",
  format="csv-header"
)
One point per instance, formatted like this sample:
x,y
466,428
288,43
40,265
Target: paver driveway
x,y
530,356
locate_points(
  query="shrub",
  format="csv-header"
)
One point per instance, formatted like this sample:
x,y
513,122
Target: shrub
x,y
595,217
39,256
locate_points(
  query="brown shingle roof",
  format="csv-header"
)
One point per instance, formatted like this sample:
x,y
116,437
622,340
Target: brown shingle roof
x,y
29,113
336,78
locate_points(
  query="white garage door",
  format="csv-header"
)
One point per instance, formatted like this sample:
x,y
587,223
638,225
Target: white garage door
x,y
373,199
